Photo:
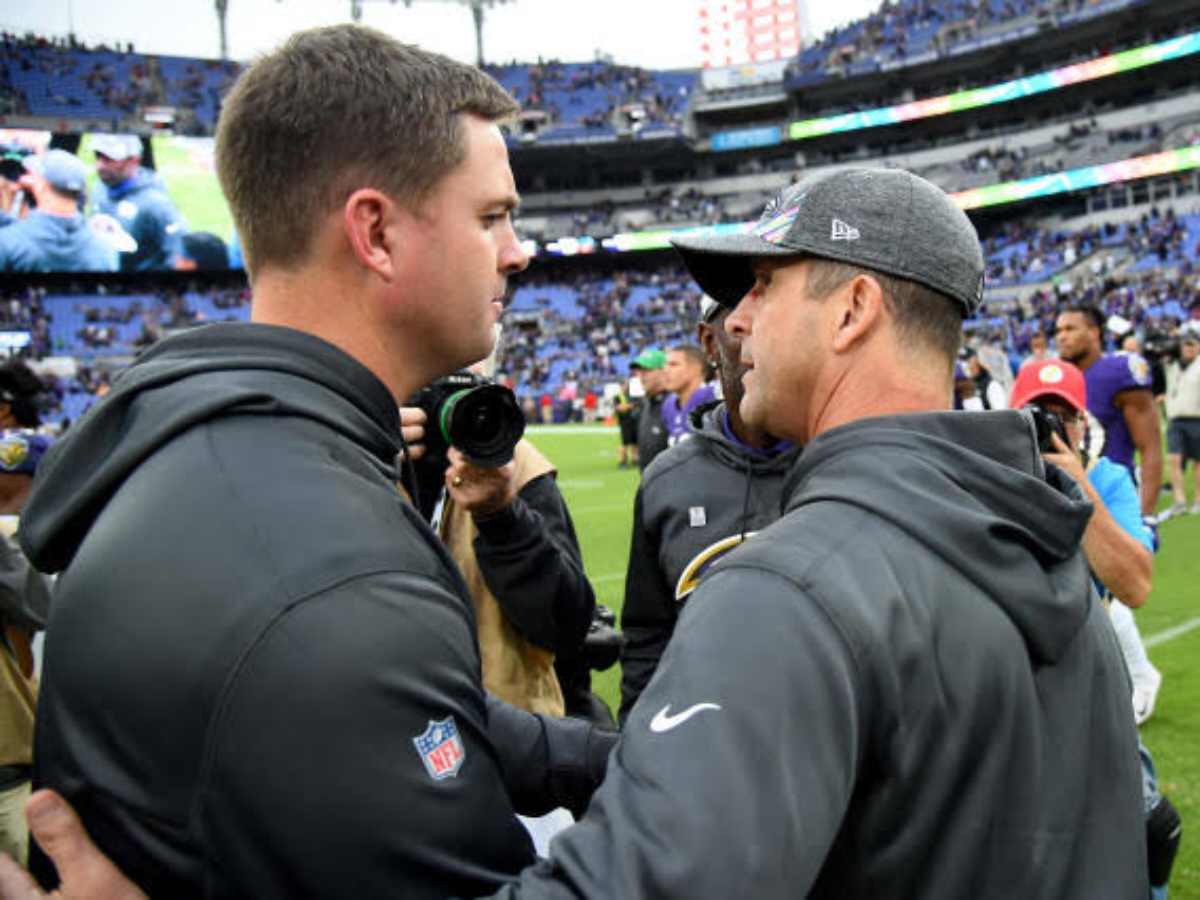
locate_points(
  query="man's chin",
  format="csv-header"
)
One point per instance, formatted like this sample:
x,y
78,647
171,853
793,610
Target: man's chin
x,y
753,413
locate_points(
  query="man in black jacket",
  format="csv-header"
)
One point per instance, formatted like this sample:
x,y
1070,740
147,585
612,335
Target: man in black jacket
x,y
699,501
652,428
263,678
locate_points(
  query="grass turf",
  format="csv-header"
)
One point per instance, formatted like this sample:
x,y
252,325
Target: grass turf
x,y
601,500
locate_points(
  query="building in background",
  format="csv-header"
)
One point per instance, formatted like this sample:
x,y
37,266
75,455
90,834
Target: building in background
x,y
741,32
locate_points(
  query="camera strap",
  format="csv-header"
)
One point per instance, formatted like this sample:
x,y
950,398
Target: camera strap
x,y
435,519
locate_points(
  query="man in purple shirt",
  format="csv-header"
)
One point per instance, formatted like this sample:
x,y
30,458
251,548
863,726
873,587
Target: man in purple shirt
x,y
1120,404
684,379
1120,398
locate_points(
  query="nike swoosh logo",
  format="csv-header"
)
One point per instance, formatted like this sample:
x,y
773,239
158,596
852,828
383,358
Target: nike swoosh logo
x,y
665,722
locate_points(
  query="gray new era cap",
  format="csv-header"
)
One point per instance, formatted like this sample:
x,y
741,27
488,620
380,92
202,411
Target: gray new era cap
x,y
883,219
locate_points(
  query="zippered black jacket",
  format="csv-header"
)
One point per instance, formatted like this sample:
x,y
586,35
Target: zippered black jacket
x,y
694,504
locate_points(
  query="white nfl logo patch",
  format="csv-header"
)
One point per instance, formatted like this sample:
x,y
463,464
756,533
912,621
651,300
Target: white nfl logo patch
x,y
843,232
697,516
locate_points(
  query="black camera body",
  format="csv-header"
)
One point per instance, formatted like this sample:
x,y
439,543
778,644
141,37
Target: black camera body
x,y
1048,423
467,411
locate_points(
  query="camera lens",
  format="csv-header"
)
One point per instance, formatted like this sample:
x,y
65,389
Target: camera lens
x,y
480,423
484,422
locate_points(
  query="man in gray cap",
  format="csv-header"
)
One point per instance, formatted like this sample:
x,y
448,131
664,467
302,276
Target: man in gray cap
x,y
54,237
905,687
137,198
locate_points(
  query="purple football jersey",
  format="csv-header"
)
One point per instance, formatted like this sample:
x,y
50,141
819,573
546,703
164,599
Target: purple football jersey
x,y
676,418
1107,377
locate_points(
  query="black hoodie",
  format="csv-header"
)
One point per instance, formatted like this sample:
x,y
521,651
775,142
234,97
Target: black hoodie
x,y
906,687
694,505
254,635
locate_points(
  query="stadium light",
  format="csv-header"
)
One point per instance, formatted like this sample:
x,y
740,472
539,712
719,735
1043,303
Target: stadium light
x,y
356,9
477,7
222,7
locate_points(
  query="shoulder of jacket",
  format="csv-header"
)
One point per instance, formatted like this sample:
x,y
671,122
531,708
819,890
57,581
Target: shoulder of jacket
x,y
673,458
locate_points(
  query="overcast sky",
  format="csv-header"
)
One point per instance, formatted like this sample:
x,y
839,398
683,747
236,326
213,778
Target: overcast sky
x,y
653,33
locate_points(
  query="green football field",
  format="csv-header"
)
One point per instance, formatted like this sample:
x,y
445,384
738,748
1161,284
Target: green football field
x,y
601,499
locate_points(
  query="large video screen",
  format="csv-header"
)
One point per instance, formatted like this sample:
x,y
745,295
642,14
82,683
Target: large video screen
x,y
111,202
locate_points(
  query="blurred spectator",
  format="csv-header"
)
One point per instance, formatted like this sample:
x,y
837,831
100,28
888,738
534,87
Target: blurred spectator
x,y
201,250
54,237
137,199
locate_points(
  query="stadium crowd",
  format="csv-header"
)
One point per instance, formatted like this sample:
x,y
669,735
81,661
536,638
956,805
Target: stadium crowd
x,y
438,592
579,329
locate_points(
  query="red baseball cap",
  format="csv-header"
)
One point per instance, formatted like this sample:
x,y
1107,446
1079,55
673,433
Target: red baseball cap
x,y
1055,377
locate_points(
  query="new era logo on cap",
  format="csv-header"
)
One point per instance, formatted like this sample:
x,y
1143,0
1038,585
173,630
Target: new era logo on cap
x,y
843,232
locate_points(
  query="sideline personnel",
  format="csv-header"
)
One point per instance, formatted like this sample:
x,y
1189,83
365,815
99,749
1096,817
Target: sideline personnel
x,y
699,500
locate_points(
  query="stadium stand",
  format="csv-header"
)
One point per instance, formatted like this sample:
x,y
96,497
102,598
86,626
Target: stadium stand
x,y
910,32
576,322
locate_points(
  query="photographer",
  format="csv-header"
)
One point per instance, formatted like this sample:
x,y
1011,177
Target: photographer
x,y
1182,400
1117,544
24,605
508,529
54,237
24,600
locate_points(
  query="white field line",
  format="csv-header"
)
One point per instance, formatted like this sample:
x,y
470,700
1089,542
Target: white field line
x,y
1171,633
571,429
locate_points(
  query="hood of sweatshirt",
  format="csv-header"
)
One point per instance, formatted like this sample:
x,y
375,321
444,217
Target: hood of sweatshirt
x,y
65,243
184,381
973,488
708,424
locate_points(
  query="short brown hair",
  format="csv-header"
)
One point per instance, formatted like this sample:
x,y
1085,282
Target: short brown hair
x,y
331,111
694,353
920,313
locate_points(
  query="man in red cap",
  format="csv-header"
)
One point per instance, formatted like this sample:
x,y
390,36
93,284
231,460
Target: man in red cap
x,y
1117,544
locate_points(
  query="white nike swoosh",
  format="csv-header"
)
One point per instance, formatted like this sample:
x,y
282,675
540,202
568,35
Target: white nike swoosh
x,y
664,722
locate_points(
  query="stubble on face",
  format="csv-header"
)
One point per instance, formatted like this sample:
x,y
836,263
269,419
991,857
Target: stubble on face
x,y
779,350
467,247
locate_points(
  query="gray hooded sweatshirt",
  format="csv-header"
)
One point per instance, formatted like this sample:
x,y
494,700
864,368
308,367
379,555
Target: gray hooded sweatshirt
x,y
907,687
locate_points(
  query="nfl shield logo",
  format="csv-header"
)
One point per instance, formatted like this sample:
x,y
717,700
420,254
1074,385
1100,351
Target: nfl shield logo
x,y
441,749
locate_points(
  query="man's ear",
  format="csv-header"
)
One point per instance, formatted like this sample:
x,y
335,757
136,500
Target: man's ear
x,y
370,220
707,340
859,311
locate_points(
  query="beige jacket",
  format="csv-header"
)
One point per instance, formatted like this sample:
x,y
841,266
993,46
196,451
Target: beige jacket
x,y
515,670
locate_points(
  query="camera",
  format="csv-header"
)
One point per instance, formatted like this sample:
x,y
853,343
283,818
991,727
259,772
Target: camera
x,y
603,643
1048,423
471,413
1159,346
12,164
